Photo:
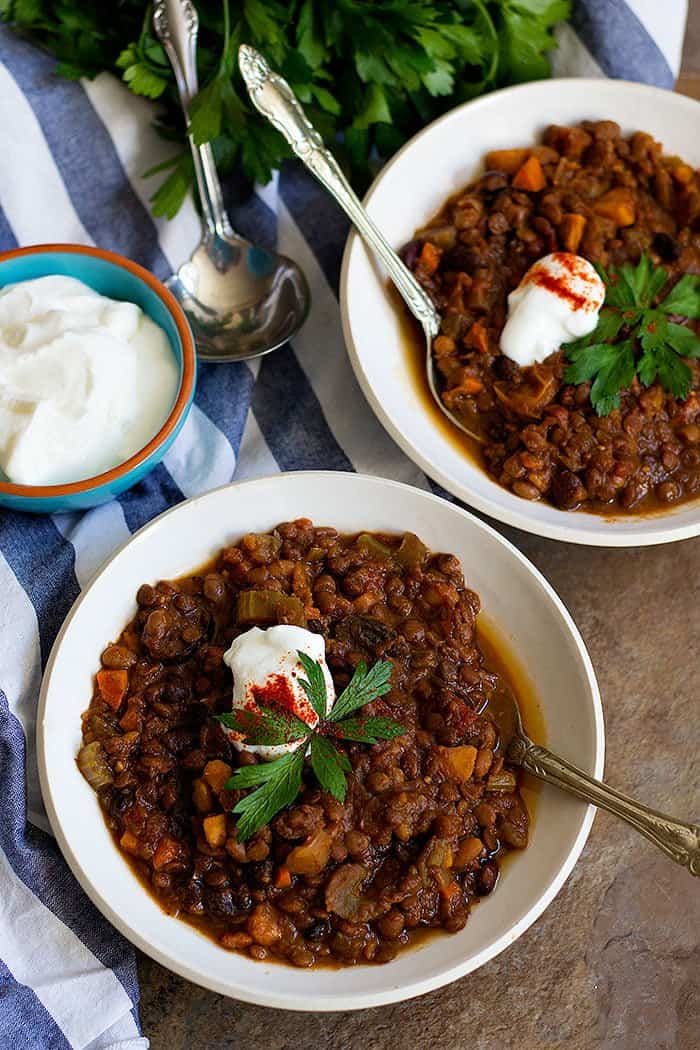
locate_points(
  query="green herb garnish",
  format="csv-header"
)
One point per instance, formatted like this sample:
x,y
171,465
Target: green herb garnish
x,y
279,782
652,346
369,74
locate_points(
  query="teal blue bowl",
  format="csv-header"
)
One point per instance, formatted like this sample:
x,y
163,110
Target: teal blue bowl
x,y
120,278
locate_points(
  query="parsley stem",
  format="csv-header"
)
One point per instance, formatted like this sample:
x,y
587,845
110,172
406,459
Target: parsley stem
x,y
490,73
227,33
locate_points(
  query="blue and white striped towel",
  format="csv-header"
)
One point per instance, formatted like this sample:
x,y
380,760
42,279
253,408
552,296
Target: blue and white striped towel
x,y
72,159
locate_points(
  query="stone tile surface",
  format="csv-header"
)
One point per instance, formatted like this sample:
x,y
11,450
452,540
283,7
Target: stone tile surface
x,y
614,963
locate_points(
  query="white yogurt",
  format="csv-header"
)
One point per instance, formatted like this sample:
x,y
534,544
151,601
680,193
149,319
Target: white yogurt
x,y
557,301
85,381
267,661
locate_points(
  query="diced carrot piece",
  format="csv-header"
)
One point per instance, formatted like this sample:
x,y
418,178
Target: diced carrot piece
x,y
215,829
129,842
429,258
448,892
113,686
216,773
472,385
530,176
283,878
167,851
506,160
618,205
458,762
478,338
469,386
571,230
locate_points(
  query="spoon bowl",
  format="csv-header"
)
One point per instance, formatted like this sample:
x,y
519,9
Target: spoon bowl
x,y
241,300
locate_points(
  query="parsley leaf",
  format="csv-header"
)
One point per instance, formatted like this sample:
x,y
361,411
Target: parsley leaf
x,y
525,36
375,72
309,40
330,766
684,297
363,687
651,347
674,374
141,75
282,783
615,374
368,730
588,361
169,196
265,726
314,685
636,285
606,331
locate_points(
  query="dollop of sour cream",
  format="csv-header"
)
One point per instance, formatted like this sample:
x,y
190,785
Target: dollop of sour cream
x,y
267,671
85,381
558,300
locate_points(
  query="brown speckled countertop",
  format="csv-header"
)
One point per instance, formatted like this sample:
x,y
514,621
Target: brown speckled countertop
x,y
614,963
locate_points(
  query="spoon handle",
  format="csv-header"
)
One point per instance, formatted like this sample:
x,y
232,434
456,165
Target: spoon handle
x,y
176,25
274,98
678,840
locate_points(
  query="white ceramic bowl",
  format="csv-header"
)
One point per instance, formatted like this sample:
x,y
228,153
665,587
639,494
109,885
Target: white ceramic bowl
x,y
515,597
431,167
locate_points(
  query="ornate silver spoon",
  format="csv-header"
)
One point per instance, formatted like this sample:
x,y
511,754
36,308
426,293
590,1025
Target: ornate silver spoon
x,y
274,98
241,300
678,840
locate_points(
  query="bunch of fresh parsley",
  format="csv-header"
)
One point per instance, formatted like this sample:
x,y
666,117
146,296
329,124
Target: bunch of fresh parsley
x,y
279,782
369,72
636,336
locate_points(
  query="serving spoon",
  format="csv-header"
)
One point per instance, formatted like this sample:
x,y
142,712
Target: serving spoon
x,y
679,841
272,96
241,300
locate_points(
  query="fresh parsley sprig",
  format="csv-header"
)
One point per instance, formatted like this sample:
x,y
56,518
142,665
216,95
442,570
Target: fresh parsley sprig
x,y
636,336
278,783
369,74
266,726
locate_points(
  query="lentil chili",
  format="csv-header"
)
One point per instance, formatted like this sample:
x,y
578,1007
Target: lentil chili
x,y
587,190
427,817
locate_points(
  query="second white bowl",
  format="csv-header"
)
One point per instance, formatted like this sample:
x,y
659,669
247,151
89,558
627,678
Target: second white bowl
x,y
435,164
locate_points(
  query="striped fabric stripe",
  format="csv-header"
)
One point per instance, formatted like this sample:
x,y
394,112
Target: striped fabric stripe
x,y
81,149
100,191
29,1024
622,46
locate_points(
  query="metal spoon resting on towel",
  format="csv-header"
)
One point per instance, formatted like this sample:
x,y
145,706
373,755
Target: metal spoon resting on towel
x,y
274,98
241,300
